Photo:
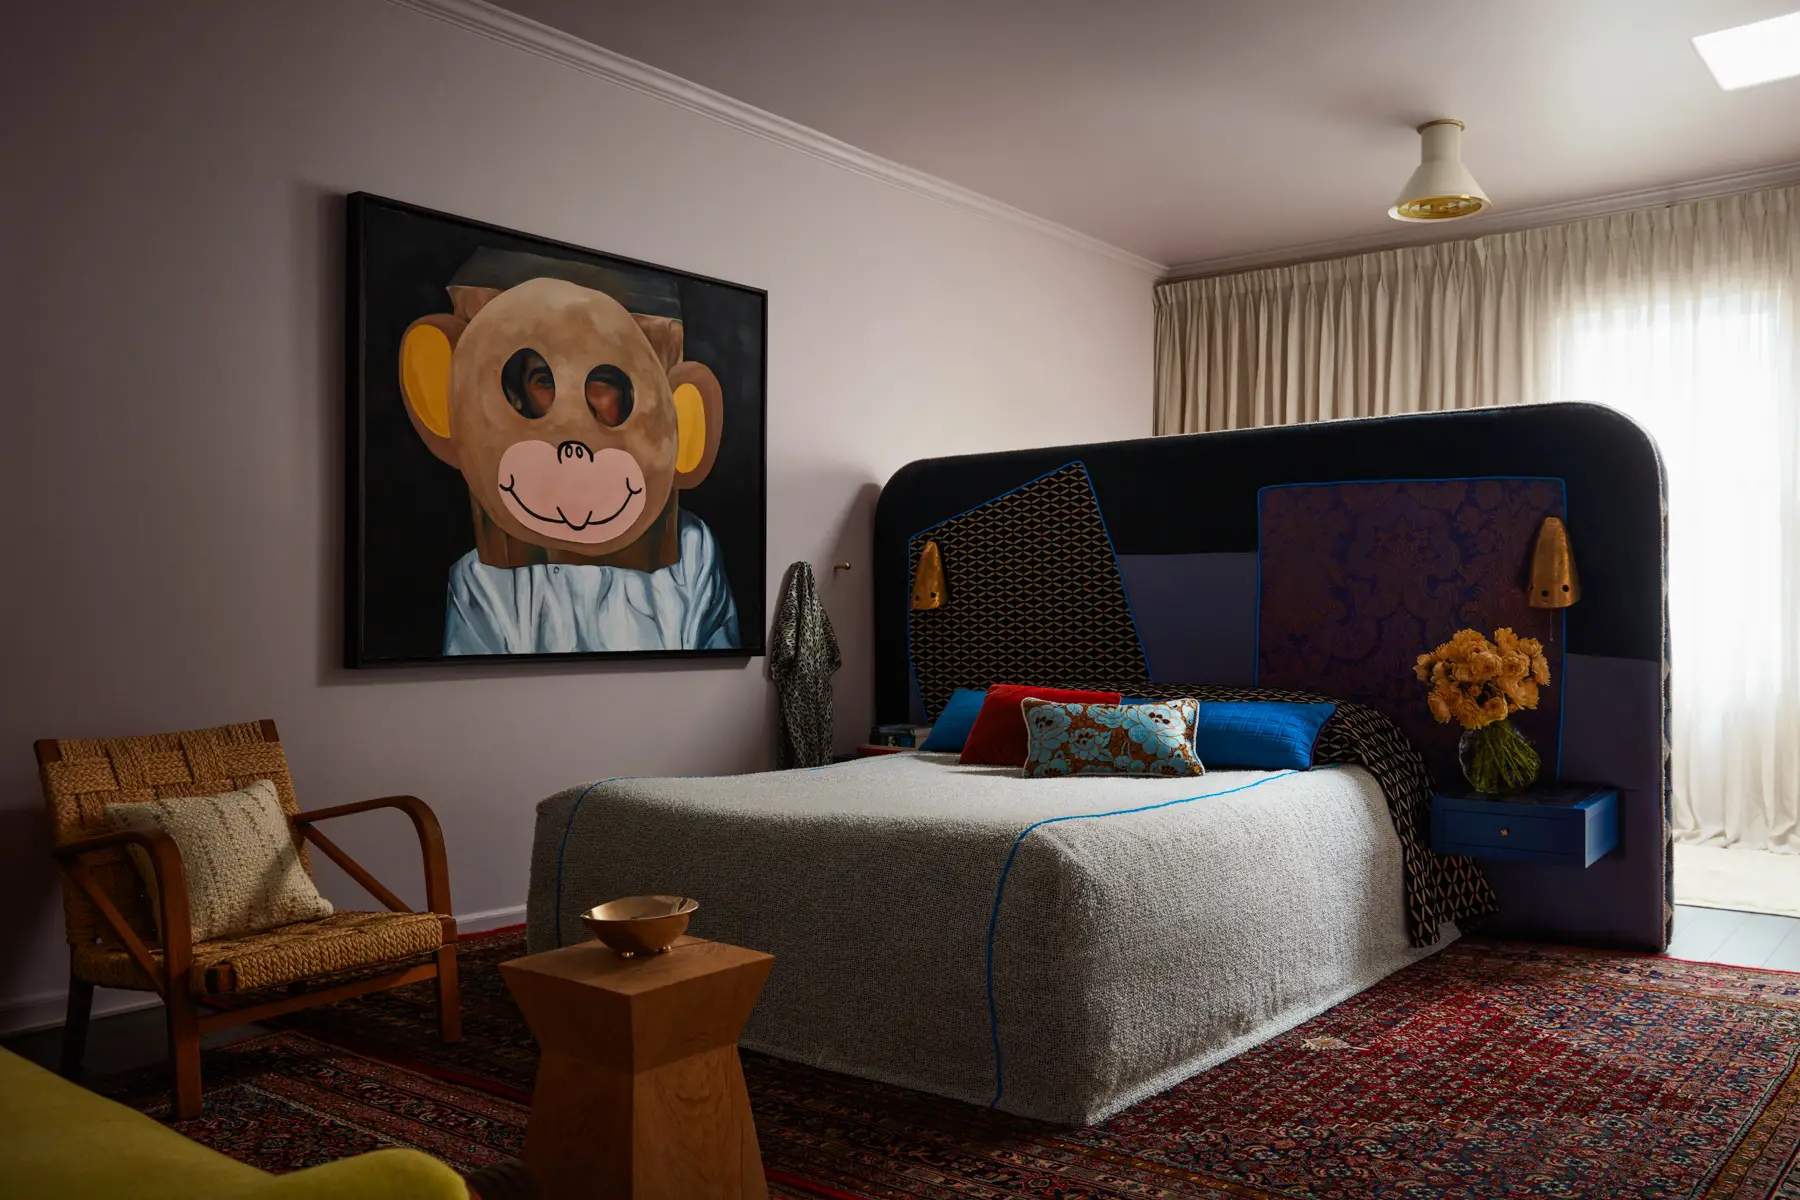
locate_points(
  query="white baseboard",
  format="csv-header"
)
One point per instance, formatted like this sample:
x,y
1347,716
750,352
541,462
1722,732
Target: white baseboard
x,y
493,918
45,1010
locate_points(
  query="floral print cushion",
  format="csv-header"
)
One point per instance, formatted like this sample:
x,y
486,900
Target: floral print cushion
x,y
1111,739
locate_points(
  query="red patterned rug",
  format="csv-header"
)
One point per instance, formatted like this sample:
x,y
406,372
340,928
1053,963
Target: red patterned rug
x,y
1492,1069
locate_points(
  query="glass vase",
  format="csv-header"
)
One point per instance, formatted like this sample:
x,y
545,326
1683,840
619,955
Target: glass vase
x,y
1497,759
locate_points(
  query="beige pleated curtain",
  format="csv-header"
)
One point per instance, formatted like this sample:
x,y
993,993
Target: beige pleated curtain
x,y
1455,325
1684,317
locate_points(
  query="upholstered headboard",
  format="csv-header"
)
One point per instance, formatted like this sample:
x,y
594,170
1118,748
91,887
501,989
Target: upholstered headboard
x,y
1288,556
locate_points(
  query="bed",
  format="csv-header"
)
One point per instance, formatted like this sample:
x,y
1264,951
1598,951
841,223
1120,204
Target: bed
x,y
1058,948
1321,557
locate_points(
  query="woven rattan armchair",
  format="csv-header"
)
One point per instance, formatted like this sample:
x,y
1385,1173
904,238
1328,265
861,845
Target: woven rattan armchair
x,y
112,929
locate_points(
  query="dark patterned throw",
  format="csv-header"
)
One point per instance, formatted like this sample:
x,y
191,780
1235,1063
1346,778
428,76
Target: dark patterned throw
x,y
1439,887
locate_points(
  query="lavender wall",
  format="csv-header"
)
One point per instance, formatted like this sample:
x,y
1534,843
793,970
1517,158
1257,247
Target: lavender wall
x,y
171,463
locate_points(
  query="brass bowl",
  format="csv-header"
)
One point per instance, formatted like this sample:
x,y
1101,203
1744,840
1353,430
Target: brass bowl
x,y
637,925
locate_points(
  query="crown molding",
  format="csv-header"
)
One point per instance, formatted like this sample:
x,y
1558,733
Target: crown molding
x,y
522,33
1502,222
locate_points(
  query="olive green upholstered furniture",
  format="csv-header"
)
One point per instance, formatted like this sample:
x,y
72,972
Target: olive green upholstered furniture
x,y
62,1142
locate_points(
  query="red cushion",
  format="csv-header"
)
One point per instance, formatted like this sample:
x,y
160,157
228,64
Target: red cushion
x,y
999,738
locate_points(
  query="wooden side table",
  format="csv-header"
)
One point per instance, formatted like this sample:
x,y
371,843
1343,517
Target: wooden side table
x,y
640,1093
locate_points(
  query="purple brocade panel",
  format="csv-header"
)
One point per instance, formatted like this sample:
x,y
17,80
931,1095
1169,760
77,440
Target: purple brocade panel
x,y
1359,579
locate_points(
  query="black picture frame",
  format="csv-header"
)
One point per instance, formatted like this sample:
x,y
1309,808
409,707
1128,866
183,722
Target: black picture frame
x,y
406,512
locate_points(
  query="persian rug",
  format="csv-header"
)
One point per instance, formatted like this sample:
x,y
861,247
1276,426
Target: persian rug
x,y
1492,1069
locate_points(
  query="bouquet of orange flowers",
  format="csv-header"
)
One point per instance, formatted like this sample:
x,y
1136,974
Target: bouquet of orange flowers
x,y
1479,684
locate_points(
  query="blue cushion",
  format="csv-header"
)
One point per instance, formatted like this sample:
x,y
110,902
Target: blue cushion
x,y
1270,735
952,727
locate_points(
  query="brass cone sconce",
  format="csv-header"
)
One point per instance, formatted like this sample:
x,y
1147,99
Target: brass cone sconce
x,y
1554,580
928,580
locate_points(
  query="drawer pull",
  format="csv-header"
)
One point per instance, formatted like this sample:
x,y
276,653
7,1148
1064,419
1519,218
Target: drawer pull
x,y
1504,832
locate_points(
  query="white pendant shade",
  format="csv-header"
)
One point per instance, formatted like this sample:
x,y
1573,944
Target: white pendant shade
x,y
1442,188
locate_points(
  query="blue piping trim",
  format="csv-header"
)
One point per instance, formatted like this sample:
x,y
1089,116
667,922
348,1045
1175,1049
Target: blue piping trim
x,y
1562,684
1000,892
563,849
915,699
1562,693
912,671
1114,551
999,496
1269,487
1256,626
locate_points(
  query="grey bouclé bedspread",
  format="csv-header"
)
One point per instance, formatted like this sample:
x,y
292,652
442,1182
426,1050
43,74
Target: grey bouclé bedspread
x,y
1059,948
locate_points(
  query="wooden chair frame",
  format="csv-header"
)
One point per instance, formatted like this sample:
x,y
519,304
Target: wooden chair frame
x,y
169,978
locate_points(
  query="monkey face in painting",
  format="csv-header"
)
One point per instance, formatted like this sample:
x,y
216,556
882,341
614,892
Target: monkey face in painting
x,y
573,421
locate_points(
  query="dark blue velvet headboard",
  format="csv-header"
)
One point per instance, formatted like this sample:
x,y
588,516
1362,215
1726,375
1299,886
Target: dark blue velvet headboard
x,y
1181,515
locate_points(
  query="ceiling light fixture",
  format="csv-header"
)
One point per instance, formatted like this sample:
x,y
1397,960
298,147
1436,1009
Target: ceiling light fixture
x,y
1751,54
1442,188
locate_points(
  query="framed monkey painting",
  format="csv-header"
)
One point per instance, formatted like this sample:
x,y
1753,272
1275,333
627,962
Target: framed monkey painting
x,y
553,452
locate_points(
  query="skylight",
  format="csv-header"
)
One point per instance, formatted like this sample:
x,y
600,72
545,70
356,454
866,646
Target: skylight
x,y
1752,54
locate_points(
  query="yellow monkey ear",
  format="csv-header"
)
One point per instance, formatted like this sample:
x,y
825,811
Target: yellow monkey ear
x,y
690,421
699,420
425,352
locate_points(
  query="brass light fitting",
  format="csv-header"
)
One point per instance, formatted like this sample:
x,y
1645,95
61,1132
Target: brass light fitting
x,y
928,579
1554,580
1442,188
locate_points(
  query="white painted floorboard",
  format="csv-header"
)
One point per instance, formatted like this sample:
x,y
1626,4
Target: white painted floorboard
x,y
1737,939
1787,955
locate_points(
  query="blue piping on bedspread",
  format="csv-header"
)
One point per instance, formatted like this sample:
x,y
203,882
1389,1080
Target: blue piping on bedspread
x,y
1000,891
563,848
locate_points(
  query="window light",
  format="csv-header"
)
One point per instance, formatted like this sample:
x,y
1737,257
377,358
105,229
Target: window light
x,y
1752,54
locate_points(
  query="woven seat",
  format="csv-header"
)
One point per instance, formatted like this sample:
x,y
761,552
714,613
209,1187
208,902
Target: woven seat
x,y
341,942
113,928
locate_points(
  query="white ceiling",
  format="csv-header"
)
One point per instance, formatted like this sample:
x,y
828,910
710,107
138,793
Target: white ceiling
x,y
1196,132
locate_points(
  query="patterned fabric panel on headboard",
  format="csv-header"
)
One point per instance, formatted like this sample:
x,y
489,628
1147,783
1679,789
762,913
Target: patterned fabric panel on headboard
x,y
1358,579
1033,595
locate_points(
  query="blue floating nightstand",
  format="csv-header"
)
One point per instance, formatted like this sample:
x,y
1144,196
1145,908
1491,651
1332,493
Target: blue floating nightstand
x,y
1558,824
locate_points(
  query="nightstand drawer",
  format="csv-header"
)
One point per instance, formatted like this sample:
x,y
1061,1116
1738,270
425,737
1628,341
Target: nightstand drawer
x,y
1551,824
1505,831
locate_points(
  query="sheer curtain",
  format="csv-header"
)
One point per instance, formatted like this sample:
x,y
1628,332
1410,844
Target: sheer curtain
x,y
1684,317
1690,328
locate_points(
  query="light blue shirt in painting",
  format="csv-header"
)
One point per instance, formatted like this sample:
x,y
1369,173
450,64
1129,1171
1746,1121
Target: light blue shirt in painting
x,y
557,609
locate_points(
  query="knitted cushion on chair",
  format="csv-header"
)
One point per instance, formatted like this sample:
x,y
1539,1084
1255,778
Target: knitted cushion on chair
x,y
238,853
